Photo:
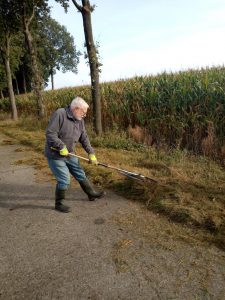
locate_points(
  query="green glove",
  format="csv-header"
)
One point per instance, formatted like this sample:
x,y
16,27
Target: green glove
x,y
64,151
92,159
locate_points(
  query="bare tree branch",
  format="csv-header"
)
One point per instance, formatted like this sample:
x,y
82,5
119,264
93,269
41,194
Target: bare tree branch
x,y
77,5
31,18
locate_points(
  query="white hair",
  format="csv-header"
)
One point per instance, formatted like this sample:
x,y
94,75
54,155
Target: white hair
x,y
78,102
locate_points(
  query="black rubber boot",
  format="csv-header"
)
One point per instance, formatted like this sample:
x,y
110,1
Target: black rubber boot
x,y
88,189
59,199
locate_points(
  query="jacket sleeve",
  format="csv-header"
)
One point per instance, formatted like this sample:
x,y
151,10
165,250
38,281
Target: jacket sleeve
x,y
84,140
52,131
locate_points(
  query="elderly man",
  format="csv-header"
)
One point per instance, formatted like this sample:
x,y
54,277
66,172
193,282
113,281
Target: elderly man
x,y
66,128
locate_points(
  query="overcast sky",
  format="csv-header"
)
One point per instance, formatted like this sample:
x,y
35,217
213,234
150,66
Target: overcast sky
x,y
146,37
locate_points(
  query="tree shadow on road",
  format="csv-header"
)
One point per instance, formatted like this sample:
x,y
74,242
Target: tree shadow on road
x,y
19,196
13,196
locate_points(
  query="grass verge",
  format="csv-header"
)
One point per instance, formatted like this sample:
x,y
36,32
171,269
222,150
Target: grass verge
x,y
190,189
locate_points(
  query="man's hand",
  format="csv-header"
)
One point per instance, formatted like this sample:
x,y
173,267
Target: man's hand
x,y
64,151
92,159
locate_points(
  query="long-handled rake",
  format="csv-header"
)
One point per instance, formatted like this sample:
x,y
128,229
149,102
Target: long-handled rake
x,y
136,176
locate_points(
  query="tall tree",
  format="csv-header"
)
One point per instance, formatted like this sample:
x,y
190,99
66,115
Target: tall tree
x,y
9,23
86,9
15,56
56,48
30,9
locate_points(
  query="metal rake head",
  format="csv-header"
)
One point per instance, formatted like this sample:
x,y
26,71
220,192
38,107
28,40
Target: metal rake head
x,y
137,176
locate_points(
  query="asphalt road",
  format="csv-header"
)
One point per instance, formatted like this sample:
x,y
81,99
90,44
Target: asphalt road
x,y
111,249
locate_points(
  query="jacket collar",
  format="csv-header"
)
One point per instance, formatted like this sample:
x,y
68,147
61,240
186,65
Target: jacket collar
x,y
69,113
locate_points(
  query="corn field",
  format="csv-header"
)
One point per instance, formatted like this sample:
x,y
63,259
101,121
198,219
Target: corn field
x,y
185,109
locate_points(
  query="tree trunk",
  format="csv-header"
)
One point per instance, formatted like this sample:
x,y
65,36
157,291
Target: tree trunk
x,y
1,94
52,79
24,82
17,88
93,63
37,81
5,57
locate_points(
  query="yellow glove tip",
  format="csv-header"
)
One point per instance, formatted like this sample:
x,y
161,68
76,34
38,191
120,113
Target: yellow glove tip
x,y
93,159
64,151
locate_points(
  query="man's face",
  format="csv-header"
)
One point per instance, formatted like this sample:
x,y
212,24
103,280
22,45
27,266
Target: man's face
x,y
79,113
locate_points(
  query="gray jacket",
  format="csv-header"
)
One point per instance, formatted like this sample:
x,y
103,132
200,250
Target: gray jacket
x,y
64,130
